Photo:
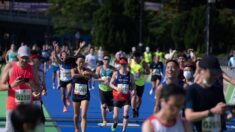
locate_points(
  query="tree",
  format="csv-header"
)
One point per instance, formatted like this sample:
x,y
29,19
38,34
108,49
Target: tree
x,y
71,15
115,25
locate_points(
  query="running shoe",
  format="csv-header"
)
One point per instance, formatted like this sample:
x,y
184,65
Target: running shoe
x,y
65,109
104,123
113,128
68,102
151,92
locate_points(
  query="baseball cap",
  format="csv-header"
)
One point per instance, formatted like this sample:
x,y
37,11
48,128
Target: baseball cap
x,y
24,51
212,63
123,61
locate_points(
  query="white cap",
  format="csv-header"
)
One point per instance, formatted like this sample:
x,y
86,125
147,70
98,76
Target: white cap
x,y
24,51
147,49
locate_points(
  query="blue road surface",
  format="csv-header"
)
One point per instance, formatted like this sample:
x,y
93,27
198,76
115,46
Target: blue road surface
x,y
64,121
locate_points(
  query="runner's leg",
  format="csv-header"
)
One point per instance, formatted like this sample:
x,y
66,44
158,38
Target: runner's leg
x,y
84,105
76,107
125,117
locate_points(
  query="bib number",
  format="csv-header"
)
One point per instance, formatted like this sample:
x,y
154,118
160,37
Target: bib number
x,y
156,72
124,87
23,96
211,124
80,89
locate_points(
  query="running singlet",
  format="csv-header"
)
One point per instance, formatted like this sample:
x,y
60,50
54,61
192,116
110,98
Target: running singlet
x,y
157,68
135,69
45,54
80,88
12,56
65,72
105,74
159,127
122,81
21,93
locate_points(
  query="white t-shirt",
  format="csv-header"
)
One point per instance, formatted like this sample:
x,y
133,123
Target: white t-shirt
x,y
100,55
91,61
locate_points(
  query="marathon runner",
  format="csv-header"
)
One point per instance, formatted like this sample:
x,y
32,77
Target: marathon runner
x,y
168,119
172,73
138,68
18,78
81,94
37,94
122,82
11,54
104,73
156,69
205,101
55,66
45,56
65,77
91,63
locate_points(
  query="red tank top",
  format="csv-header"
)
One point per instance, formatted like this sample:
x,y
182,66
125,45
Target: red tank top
x,y
22,93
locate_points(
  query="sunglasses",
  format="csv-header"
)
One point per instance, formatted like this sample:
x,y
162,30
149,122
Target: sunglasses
x,y
106,58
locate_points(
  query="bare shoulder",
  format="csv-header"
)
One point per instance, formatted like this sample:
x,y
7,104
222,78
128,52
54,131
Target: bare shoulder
x,y
146,127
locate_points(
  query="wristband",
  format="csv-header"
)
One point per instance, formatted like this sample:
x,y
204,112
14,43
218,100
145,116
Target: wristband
x,y
210,113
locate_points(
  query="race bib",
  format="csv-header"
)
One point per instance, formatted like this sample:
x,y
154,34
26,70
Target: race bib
x,y
80,89
124,87
211,124
23,96
156,72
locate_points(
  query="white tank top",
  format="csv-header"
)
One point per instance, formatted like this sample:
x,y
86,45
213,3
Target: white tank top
x,y
159,127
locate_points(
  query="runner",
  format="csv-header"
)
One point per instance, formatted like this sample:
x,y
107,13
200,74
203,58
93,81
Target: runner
x,y
156,69
55,66
105,72
18,79
91,63
81,94
65,77
122,82
11,54
37,94
118,55
160,54
209,107
172,72
147,55
168,118
189,70
45,56
138,68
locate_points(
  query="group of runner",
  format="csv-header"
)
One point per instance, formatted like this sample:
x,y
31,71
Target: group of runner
x,y
187,89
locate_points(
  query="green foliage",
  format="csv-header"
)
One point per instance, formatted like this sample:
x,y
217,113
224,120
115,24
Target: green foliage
x,y
69,15
115,25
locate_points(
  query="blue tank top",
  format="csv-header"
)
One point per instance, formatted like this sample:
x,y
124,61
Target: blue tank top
x,y
123,79
12,56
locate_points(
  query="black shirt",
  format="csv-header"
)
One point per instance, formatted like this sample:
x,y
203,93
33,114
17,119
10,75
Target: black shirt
x,y
200,99
157,68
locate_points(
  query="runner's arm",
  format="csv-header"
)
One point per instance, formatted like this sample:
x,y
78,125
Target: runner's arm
x,y
36,82
146,68
6,56
4,85
192,116
228,78
113,79
97,72
157,101
133,86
